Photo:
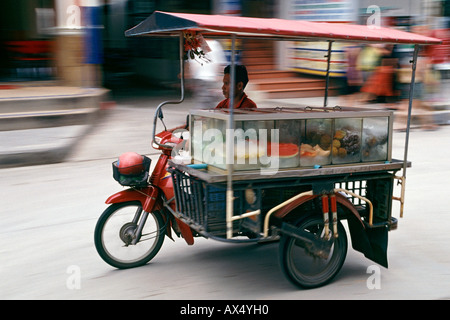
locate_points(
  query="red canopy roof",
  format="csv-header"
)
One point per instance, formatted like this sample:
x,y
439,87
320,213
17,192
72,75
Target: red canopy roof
x,y
160,23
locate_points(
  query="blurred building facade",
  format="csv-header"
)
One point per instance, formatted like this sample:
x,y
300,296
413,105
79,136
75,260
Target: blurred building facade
x,y
81,42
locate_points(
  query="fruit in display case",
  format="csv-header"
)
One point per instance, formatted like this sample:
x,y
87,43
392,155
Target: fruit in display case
x,y
307,150
374,147
288,154
346,145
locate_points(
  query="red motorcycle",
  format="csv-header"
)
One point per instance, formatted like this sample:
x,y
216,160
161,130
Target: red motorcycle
x,y
131,231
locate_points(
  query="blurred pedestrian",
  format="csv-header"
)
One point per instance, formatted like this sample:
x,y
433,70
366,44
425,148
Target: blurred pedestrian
x,y
353,77
368,59
421,108
380,86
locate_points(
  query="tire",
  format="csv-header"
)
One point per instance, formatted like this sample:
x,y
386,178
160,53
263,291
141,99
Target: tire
x,y
112,235
304,269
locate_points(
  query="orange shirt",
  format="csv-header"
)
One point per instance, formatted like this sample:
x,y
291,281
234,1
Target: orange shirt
x,y
244,103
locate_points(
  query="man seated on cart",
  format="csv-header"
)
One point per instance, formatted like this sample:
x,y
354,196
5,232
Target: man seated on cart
x,y
241,100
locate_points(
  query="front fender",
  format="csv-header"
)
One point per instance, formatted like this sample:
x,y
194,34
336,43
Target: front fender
x,y
143,195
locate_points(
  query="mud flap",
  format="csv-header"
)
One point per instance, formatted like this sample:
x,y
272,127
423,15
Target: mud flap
x,y
371,241
378,238
186,231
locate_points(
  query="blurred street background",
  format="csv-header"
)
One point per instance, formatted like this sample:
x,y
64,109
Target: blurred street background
x,y
64,62
75,94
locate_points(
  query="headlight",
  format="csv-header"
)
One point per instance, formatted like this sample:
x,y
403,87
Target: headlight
x,y
158,139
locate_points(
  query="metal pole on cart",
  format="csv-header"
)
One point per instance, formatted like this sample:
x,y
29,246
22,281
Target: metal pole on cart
x,y
327,77
230,143
402,179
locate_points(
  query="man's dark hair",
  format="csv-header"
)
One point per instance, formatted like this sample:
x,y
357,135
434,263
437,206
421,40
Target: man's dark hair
x,y
241,74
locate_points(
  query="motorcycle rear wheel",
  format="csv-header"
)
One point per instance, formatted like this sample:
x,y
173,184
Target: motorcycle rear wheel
x,y
305,269
114,234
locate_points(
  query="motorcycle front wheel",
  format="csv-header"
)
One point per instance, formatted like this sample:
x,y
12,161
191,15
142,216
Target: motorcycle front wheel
x,y
115,235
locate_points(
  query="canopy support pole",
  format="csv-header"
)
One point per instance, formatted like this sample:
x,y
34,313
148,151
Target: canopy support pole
x,y
327,77
230,143
402,179
410,103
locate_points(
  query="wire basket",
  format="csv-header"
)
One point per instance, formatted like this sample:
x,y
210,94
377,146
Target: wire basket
x,y
139,179
201,203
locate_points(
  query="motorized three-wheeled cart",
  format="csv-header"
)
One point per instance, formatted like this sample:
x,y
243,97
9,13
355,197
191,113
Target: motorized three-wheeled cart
x,y
287,174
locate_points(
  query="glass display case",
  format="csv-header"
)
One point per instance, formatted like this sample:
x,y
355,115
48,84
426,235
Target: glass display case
x,y
315,147
291,138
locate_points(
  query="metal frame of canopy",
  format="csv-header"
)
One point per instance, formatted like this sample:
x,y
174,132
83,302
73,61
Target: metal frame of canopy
x,y
174,24
168,23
